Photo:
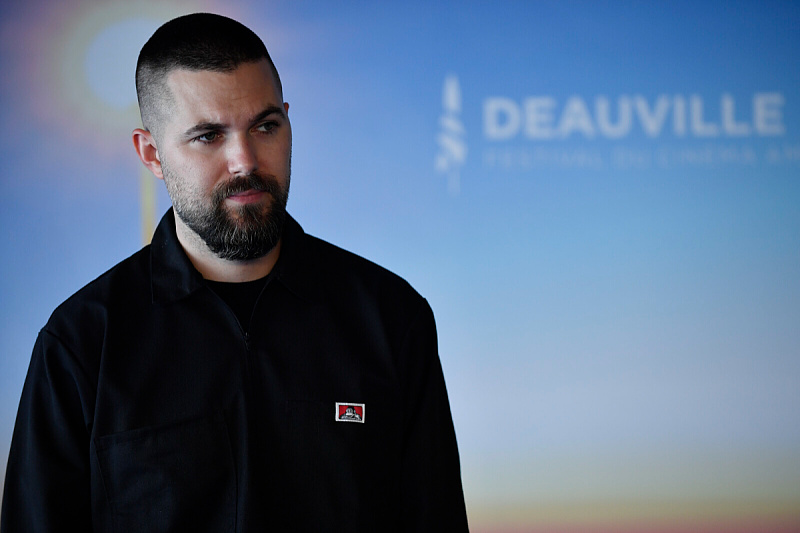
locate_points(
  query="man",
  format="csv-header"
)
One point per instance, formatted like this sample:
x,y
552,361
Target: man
x,y
197,385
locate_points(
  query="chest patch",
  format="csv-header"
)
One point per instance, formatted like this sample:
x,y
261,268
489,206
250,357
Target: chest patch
x,y
350,412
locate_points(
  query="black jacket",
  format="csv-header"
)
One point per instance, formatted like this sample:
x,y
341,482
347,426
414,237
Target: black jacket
x,y
148,408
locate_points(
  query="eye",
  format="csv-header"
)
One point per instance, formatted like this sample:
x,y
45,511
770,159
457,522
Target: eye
x,y
267,127
208,137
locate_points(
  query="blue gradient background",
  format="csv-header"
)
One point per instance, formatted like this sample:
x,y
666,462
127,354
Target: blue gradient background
x,y
621,342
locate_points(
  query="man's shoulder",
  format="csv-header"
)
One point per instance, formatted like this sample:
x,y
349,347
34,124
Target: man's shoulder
x,y
360,292
120,285
348,271
347,261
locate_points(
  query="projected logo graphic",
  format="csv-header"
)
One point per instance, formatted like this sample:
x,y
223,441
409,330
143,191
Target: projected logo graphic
x,y
635,131
543,118
452,144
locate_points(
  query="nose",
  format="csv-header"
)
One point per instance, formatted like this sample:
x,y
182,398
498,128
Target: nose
x,y
242,158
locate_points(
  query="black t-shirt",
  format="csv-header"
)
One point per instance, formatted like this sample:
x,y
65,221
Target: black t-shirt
x,y
240,297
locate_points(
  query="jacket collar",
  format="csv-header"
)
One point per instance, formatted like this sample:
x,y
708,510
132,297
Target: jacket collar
x,y
174,277
298,267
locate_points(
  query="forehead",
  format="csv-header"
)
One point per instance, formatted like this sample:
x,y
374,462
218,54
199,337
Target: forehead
x,y
204,95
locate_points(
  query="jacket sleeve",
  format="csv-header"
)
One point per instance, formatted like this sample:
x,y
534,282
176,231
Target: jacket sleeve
x,y
47,485
433,499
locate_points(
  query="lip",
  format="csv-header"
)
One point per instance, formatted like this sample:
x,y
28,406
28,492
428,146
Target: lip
x,y
247,197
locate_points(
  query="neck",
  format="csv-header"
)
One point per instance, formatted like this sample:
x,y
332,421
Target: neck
x,y
215,268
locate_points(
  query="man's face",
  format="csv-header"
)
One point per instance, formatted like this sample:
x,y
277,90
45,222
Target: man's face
x,y
225,155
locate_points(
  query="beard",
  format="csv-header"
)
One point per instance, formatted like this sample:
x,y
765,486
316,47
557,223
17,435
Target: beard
x,y
241,233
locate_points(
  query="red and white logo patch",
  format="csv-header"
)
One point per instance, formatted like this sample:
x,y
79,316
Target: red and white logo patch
x,y
349,412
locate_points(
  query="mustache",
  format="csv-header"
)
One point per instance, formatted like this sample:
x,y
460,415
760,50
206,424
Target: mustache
x,y
245,183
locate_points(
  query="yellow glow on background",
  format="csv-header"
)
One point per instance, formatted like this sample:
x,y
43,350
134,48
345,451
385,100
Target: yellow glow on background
x,y
67,66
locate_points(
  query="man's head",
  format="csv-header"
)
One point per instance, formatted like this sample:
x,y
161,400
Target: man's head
x,y
200,41
219,134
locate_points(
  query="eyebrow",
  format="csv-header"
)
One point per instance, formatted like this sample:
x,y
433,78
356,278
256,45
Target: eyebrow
x,y
271,110
204,127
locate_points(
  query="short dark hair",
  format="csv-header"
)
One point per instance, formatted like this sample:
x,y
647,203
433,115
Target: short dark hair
x,y
200,41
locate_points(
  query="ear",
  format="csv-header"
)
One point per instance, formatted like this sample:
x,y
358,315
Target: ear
x,y
145,145
286,107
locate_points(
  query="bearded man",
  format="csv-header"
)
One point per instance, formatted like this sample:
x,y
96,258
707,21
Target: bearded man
x,y
197,385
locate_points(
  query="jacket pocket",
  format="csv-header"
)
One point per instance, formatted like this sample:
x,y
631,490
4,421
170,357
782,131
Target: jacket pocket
x,y
349,470
179,477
